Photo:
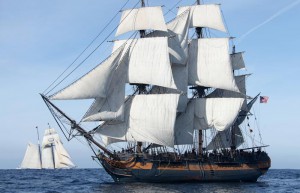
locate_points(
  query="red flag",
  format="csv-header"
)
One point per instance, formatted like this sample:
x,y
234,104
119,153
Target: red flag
x,y
264,99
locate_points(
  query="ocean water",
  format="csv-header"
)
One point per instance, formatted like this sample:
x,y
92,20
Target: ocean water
x,y
96,180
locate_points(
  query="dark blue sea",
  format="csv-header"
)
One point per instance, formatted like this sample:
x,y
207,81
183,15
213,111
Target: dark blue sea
x,y
96,180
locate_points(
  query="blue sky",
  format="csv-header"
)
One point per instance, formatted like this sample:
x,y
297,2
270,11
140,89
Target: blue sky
x,y
39,39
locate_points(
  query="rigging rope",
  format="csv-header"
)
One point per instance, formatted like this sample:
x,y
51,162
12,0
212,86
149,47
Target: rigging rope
x,y
170,10
85,50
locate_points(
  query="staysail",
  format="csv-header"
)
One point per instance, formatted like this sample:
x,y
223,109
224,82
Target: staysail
x,y
223,139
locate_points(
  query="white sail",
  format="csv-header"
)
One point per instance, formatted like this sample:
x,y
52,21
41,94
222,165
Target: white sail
x,y
154,125
50,136
63,158
178,49
237,61
177,38
142,19
48,157
94,84
184,126
111,107
108,140
106,109
241,84
209,64
148,61
178,42
31,159
223,139
180,74
209,16
53,153
219,113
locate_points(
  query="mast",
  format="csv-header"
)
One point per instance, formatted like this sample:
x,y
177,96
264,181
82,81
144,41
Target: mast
x,y
199,29
233,127
200,92
39,146
233,131
141,87
52,149
77,127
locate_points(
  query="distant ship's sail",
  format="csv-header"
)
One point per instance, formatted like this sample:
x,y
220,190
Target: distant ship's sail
x,y
53,154
32,158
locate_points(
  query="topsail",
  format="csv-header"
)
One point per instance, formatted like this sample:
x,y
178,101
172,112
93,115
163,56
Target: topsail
x,y
142,19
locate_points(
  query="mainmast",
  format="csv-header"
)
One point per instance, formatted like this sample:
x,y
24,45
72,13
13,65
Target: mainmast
x,y
52,149
199,29
39,146
200,92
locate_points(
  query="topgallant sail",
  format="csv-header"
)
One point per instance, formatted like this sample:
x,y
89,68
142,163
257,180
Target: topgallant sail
x,y
184,119
51,155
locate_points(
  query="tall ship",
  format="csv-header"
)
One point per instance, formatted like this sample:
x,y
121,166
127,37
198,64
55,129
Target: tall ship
x,y
170,102
50,155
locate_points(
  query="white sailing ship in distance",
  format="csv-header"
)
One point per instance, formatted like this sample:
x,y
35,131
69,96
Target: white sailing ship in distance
x,y
51,155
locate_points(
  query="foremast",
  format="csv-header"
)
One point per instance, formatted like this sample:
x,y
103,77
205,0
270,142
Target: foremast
x,y
76,126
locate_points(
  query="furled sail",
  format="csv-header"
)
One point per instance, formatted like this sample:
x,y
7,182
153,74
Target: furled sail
x,y
32,158
142,19
219,113
210,65
148,61
95,83
223,139
209,16
237,61
154,125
